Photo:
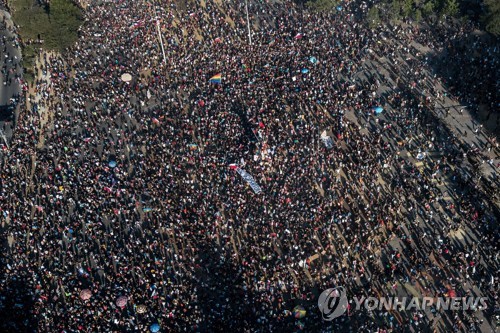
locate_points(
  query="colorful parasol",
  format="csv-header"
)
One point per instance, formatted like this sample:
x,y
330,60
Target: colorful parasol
x,y
121,301
299,312
141,308
85,294
154,327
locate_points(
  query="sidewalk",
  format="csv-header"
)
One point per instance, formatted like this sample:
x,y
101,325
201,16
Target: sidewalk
x,y
11,58
40,93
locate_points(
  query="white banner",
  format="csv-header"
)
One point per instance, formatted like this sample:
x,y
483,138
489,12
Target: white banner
x,y
249,179
327,140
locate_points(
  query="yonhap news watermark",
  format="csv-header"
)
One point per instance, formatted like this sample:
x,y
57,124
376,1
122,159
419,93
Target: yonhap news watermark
x,y
333,303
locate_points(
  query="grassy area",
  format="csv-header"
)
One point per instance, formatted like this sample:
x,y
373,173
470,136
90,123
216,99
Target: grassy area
x,y
322,5
57,25
28,62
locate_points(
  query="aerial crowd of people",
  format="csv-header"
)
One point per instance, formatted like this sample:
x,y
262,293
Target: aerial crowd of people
x,y
123,201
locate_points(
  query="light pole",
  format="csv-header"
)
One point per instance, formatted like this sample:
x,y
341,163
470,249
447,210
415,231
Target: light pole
x,y
159,32
161,39
4,138
248,24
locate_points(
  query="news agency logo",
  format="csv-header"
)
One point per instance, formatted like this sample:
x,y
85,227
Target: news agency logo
x,y
332,303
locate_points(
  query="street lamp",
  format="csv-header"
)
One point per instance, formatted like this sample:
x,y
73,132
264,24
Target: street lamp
x,y
248,24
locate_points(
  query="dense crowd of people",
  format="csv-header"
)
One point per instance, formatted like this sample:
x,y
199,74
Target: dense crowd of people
x,y
131,211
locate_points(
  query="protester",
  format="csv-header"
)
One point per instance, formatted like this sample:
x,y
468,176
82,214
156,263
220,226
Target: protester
x,y
139,188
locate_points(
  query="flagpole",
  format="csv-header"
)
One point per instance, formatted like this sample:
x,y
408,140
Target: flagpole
x,y
161,39
248,24
158,29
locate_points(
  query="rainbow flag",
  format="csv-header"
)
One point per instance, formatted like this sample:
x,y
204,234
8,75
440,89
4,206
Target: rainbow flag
x,y
216,79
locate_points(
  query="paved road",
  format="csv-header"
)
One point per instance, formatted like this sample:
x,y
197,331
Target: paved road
x,y
10,58
459,121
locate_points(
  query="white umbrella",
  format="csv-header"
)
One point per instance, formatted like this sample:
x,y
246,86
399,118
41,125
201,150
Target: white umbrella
x,y
126,77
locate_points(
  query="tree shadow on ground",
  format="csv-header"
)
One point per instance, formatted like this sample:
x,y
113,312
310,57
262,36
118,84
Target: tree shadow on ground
x,y
469,67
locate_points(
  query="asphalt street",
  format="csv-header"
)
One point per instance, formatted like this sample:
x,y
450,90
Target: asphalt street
x,y
11,70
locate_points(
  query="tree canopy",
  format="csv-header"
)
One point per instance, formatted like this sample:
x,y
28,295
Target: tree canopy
x,y
491,18
418,10
322,4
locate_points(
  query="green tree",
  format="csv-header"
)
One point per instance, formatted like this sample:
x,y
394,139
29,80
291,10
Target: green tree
x,y
373,17
395,10
428,8
407,8
491,18
450,8
321,5
418,15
